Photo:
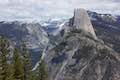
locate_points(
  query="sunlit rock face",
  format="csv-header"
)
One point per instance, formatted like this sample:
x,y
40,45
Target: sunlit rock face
x,y
82,21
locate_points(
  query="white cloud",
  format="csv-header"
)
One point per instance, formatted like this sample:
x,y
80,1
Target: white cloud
x,y
36,9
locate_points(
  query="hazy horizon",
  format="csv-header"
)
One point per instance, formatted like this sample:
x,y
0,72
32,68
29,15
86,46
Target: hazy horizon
x,y
42,9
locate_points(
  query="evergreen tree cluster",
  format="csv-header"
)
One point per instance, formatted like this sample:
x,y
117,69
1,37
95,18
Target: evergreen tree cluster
x,y
18,67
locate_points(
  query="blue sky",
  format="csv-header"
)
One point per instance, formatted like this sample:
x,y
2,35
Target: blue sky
x,y
41,9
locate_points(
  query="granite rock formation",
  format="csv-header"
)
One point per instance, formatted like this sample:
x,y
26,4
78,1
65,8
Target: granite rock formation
x,y
80,56
82,21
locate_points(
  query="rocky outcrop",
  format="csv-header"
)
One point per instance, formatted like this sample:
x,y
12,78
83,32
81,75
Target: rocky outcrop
x,y
67,63
80,57
82,21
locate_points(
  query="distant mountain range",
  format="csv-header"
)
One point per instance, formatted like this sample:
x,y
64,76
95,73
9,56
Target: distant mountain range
x,y
39,35
107,28
32,34
84,47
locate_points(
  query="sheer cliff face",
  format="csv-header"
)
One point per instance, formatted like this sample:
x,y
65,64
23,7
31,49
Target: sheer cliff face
x,y
82,21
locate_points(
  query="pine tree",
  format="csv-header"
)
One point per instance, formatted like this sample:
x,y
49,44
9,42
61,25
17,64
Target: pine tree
x,y
42,71
1,76
10,72
3,50
18,66
5,69
27,64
